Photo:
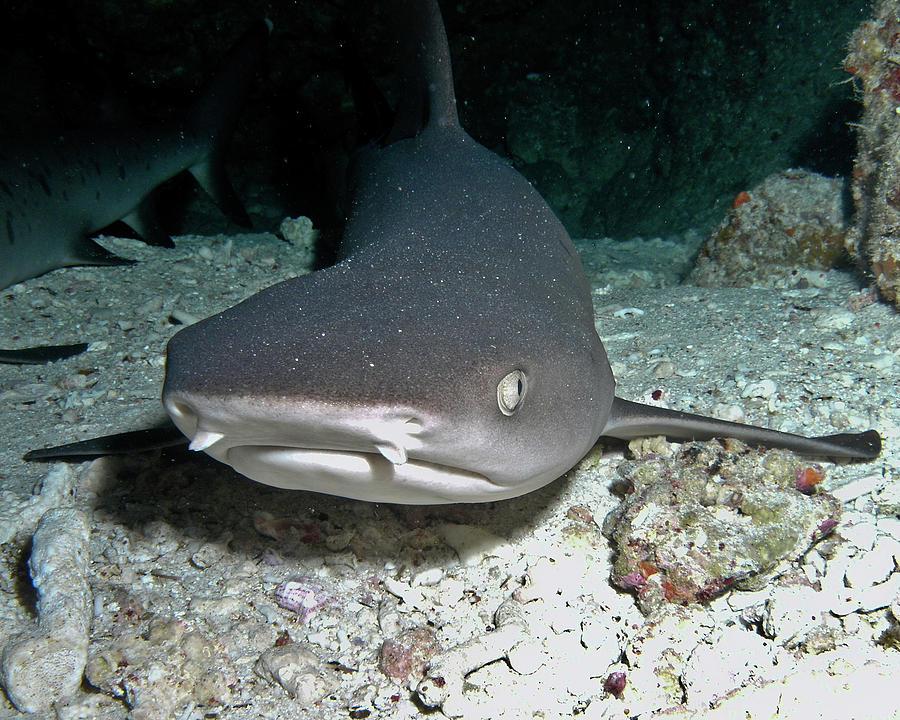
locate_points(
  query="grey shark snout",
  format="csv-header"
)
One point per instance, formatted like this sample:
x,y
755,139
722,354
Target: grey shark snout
x,y
376,456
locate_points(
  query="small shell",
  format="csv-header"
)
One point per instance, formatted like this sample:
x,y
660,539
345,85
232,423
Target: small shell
x,y
303,596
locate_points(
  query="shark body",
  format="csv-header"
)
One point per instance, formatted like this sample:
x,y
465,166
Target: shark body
x,y
450,356
55,193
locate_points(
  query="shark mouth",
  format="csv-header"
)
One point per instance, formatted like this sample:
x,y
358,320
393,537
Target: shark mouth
x,y
363,458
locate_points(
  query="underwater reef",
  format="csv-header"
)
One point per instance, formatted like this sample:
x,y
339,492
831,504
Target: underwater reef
x,y
874,61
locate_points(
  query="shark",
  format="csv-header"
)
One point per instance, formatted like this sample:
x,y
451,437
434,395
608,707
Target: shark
x,y
450,355
54,193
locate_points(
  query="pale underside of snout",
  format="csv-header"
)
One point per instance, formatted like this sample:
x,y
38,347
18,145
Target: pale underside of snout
x,y
383,455
363,475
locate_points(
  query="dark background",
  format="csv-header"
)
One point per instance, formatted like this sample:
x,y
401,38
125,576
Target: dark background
x,y
631,118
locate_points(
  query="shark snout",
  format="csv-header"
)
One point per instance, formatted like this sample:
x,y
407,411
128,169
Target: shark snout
x,y
215,424
373,453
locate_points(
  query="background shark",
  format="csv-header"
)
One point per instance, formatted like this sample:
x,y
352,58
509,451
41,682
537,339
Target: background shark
x,y
55,193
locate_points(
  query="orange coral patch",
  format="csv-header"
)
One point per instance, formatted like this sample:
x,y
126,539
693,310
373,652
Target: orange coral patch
x,y
739,199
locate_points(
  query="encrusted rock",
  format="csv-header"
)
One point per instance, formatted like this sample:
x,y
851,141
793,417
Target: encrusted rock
x,y
792,222
46,665
409,654
874,60
712,518
160,665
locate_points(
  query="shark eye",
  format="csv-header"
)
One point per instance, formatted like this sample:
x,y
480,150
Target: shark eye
x,y
511,392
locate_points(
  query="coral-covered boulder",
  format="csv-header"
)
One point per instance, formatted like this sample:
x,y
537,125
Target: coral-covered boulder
x,y
789,224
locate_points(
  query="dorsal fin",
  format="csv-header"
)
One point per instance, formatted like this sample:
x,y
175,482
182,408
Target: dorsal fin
x,y
426,90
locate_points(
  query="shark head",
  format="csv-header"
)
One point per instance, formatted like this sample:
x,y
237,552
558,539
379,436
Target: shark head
x,y
352,383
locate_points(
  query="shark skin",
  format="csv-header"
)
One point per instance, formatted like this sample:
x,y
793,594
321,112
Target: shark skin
x,y
54,194
450,356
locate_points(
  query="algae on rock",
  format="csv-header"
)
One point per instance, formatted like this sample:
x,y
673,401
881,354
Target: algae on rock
x,y
710,518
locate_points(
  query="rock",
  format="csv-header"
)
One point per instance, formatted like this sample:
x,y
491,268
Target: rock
x,y
299,670
713,517
46,665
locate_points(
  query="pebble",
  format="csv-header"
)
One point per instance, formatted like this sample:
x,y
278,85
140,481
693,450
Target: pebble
x,y
833,318
867,599
150,307
300,671
883,361
663,369
298,231
209,554
816,563
46,665
761,389
814,278
733,413
428,578
742,599
857,488
859,534
410,596
791,612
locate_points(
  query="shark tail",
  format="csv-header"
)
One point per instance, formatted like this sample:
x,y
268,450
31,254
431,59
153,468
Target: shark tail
x,y
215,113
629,420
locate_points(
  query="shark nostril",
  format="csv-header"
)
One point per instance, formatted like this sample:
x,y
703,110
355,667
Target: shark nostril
x,y
181,410
203,439
182,415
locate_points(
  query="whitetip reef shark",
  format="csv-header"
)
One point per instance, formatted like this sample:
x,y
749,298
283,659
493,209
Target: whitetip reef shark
x,y
55,193
450,356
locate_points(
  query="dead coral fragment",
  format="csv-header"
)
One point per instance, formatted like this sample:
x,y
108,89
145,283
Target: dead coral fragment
x,y
161,665
298,668
712,518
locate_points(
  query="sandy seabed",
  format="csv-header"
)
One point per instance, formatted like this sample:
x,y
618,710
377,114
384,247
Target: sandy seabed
x,y
510,603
